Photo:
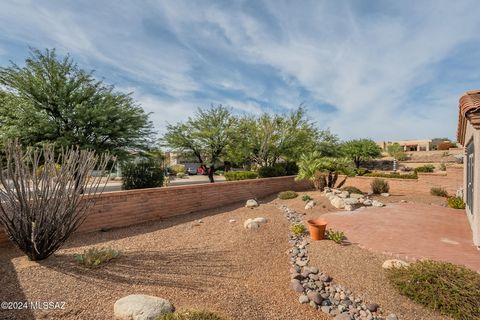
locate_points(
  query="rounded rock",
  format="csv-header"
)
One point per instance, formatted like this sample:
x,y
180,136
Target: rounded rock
x,y
141,307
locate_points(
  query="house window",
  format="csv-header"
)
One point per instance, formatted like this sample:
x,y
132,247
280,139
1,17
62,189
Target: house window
x,y
470,174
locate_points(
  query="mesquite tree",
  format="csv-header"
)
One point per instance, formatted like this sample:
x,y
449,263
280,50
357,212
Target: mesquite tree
x,y
45,194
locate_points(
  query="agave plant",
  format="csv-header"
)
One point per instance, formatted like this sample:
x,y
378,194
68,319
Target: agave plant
x,y
323,171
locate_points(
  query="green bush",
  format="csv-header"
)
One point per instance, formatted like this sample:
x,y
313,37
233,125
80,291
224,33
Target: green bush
x,y
94,257
240,175
439,192
392,175
298,229
456,203
335,236
306,198
425,168
177,168
219,173
143,174
352,189
278,170
285,195
191,315
450,289
361,171
379,186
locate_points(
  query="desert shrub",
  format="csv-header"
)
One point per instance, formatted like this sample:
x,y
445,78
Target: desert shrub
x,y
219,173
240,175
426,168
191,315
180,175
361,171
306,198
94,257
335,235
443,166
271,171
379,186
285,195
142,174
450,289
298,229
439,192
291,168
177,168
456,203
392,175
352,189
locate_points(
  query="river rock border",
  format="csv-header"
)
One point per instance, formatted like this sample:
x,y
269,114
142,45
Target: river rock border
x,y
317,288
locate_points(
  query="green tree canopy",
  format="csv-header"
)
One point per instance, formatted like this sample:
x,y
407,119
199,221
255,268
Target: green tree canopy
x,y
51,99
360,150
265,139
207,135
395,150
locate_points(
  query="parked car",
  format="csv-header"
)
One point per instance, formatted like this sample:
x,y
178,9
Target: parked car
x,y
192,171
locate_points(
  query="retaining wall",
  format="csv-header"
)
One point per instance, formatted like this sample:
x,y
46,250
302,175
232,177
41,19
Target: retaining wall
x,y
125,208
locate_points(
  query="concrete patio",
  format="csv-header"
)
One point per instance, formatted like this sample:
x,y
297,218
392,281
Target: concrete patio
x,y
410,231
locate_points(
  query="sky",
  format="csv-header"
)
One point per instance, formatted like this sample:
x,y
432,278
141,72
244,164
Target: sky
x,y
385,70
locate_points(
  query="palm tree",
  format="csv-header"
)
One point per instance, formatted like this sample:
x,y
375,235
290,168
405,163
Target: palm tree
x,y
323,171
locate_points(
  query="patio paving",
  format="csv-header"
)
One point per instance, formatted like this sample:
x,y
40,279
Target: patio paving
x,y
410,231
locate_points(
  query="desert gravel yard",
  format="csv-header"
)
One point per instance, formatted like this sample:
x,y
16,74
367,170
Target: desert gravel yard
x,y
214,265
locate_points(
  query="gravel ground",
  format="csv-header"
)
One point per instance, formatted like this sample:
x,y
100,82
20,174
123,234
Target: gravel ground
x,y
214,265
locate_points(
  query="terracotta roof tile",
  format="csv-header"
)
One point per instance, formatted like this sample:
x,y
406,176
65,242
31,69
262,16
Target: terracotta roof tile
x,y
469,102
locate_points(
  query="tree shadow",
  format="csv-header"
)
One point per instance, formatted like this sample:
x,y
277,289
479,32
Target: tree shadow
x,y
10,288
194,269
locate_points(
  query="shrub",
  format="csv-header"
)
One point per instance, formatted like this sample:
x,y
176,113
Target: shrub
x,y
298,229
456,203
291,168
141,175
94,257
451,289
439,192
306,198
271,171
443,166
335,236
177,168
240,175
380,186
39,172
425,168
392,175
361,171
285,195
191,315
180,175
219,173
352,189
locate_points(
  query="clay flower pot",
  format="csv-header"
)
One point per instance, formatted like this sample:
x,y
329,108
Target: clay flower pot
x,y
316,227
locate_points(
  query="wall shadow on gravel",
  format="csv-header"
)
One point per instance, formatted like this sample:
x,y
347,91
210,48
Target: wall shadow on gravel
x,y
194,269
96,237
10,289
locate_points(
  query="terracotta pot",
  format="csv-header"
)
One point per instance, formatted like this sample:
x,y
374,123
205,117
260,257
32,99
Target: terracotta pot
x,y
316,227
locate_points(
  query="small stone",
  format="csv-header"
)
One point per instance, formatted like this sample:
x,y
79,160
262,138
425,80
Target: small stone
x,y
310,204
395,263
391,317
343,316
313,304
251,203
314,270
385,194
249,224
326,309
367,202
376,203
403,201
303,299
372,307
314,296
231,220
297,286
301,263
325,278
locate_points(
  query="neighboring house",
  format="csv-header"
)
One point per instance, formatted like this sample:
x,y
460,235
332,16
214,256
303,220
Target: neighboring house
x,y
408,145
468,135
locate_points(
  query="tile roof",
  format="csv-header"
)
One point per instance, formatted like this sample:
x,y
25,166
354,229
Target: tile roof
x,y
469,102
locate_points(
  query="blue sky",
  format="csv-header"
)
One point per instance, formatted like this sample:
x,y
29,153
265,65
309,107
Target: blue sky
x,y
378,69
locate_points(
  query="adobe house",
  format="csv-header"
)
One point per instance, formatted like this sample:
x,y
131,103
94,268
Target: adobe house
x,y
468,135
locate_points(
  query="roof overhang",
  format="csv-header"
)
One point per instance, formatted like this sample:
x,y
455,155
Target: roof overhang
x,y
468,110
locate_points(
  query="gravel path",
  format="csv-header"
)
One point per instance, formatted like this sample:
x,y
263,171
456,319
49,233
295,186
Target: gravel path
x,y
214,265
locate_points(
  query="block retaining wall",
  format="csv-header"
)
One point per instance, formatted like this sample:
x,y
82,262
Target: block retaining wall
x,y
125,208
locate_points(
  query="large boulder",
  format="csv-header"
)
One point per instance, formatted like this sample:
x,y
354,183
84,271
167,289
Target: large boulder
x,y
351,201
395,263
338,202
251,203
356,195
376,203
141,307
344,194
